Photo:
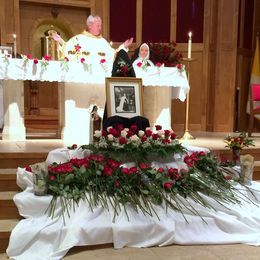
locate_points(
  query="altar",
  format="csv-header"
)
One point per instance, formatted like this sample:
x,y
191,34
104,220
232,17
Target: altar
x,y
80,87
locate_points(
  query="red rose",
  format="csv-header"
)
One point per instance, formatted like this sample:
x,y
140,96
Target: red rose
x,y
122,140
133,128
74,146
166,141
80,162
173,136
35,61
144,166
104,133
125,170
133,170
148,133
28,168
120,127
158,127
28,56
66,59
155,136
102,61
139,64
179,66
107,171
167,185
113,164
113,132
143,139
117,184
46,57
129,134
52,177
228,177
82,60
167,132
158,64
202,153
161,170
172,171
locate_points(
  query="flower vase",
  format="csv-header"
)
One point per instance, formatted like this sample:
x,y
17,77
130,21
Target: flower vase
x,y
236,156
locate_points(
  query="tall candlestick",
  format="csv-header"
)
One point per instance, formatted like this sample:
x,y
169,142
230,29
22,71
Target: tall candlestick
x,y
15,48
189,45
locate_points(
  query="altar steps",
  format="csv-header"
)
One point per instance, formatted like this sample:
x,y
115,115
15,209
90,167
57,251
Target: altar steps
x,y
6,227
20,159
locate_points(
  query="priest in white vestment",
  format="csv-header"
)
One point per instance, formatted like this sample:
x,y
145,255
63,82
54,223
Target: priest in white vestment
x,y
91,46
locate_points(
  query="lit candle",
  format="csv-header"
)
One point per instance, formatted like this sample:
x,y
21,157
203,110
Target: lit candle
x,y
15,48
47,45
111,43
189,45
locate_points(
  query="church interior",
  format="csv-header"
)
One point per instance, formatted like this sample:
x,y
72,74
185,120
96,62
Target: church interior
x,y
215,41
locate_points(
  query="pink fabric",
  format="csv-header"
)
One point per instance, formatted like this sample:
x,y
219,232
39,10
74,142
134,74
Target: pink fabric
x,y
256,92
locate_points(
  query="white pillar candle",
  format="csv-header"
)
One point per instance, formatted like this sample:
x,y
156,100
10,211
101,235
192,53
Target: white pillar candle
x,y
15,48
189,45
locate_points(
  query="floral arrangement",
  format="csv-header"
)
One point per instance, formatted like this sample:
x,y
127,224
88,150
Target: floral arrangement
x,y
104,181
142,65
6,58
239,141
45,62
181,68
165,53
65,64
103,63
123,68
129,143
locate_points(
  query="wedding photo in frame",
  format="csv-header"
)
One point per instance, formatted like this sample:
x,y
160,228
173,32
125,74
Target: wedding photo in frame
x,y
124,97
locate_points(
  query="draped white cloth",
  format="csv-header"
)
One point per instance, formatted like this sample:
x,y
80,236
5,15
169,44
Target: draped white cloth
x,y
41,237
95,73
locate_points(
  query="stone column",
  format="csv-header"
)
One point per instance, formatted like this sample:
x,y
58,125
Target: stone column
x,y
13,93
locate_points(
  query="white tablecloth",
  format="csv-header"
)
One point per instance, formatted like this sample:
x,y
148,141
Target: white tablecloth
x,y
76,72
40,237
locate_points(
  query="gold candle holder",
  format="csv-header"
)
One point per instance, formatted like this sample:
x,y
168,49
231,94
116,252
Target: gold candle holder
x,y
187,135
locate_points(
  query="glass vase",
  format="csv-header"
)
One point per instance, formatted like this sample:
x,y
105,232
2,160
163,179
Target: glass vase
x,y
236,156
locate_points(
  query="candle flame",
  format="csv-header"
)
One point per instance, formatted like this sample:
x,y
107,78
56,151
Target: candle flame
x,y
190,34
111,43
14,35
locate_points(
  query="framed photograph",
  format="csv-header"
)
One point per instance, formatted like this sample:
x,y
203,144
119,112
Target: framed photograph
x,y
6,50
124,97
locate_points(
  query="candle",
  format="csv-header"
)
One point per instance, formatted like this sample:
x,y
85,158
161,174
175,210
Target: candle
x,y
111,43
47,45
189,45
15,49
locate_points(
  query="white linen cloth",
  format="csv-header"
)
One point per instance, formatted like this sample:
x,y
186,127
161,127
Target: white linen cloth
x,y
18,69
40,237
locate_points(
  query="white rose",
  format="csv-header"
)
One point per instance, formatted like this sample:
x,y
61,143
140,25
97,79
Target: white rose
x,y
126,129
134,138
110,137
141,133
109,128
124,133
98,133
160,132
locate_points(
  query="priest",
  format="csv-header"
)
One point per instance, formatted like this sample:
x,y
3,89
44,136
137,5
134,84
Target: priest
x,y
91,46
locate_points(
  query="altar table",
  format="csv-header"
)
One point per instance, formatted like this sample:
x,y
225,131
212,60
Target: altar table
x,y
81,86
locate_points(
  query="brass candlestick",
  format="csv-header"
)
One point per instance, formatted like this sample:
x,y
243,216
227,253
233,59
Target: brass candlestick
x,y
187,135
